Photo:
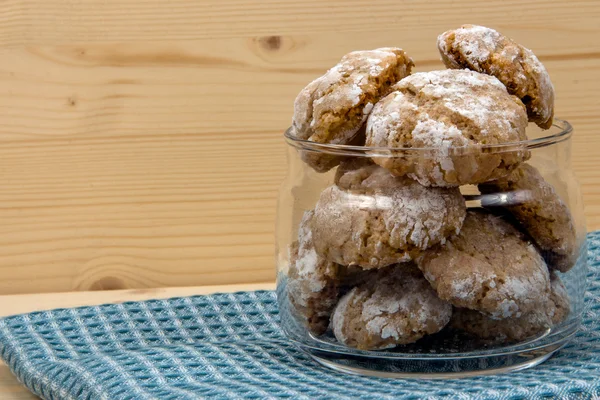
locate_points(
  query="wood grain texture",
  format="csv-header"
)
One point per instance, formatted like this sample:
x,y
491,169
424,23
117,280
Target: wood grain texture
x,y
11,389
140,140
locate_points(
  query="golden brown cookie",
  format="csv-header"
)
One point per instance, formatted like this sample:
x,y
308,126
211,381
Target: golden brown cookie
x,y
383,219
332,108
485,50
515,329
542,213
489,267
453,113
313,284
397,307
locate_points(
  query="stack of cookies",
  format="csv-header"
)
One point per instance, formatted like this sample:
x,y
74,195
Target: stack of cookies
x,y
390,252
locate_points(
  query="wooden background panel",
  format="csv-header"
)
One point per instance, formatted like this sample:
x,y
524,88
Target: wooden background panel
x,y
140,141
65,22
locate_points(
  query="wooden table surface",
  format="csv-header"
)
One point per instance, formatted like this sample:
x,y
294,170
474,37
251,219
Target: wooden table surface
x,y
11,389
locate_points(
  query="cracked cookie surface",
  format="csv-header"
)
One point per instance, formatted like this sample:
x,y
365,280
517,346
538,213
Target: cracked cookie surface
x,y
376,219
397,307
452,113
488,267
333,108
516,329
313,286
544,215
485,50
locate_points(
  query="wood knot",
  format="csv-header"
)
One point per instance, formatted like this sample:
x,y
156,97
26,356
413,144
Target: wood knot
x,y
270,43
71,101
108,283
275,48
79,52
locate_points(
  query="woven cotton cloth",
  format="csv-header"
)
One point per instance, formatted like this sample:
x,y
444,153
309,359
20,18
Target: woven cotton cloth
x,y
229,346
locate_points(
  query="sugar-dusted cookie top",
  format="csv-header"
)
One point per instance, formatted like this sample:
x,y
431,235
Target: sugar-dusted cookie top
x,y
333,107
488,51
440,110
510,330
373,219
488,267
397,307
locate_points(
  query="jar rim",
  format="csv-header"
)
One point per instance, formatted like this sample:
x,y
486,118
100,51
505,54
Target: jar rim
x,y
561,131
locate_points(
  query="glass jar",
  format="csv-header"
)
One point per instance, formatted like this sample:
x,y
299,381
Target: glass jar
x,y
414,275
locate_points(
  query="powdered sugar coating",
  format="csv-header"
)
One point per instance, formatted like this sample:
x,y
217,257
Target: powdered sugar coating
x,y
311,269
435,133
489,267
515,329
446,111
375,219
313,286
472,95
486,50
478,42
396,307
333,107
338,318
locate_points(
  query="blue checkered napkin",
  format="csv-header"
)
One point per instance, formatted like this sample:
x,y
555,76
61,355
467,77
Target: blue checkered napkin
x,y
228,346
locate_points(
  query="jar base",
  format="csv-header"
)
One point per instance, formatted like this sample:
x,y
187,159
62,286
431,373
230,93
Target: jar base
x,y
428,368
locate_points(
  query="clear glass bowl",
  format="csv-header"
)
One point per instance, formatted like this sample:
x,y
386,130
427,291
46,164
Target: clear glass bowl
x,y
313,275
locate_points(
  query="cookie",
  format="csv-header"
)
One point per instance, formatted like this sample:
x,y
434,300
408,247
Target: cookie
x,y
559,298
352,172
452,113
379,220
332,108
489,267
496,331
397,307
511,330
313,283
542,213
352,275
485,50
322,161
